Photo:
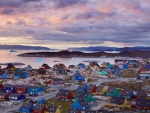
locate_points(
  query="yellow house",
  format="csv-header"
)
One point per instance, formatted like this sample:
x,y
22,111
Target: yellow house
x,y
117,102
52,109
13,68
100,90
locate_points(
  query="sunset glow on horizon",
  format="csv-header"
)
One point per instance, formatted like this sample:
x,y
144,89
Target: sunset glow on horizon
x,y
75,23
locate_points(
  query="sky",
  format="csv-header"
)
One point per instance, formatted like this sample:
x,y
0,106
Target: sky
x,y
75,23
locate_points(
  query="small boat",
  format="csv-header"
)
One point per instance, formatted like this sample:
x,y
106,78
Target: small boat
x,y
11,50
56,61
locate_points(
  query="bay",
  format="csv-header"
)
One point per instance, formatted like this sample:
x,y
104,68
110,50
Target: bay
x,y
7,57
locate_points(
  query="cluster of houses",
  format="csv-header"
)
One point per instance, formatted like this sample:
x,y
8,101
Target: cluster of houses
x,y
40,107
59,68
18,92
127,99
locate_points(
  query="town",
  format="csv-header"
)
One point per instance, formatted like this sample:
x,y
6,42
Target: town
x,y
93,88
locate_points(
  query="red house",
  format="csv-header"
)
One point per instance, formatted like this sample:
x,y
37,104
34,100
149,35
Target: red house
x,y
1,86
4,96
142,104
91,88
45,66
64,94
21,89
57,83
39,108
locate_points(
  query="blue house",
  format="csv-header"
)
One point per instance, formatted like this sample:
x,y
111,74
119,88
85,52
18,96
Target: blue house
x,y
26,107
127,93
42,101
81,65
116,72
20,74
108,66
81,105
82,87
125,66
35,90
4,75
18,70
9,88
77,77
16,96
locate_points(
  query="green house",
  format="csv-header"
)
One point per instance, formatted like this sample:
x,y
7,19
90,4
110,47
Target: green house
x,y
103,72
85,95
108,66
112,91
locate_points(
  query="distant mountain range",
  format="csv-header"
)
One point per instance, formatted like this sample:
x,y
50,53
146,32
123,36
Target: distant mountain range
x,y
22,47
103,48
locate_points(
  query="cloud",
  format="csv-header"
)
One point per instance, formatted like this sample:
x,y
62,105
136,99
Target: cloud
x,y
31,0
21,23
7,11
89,22
66,3
10,3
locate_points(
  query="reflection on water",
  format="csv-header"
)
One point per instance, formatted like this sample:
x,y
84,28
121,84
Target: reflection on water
x,y
6,57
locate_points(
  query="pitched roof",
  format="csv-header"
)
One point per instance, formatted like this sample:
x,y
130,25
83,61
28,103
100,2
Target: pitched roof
x,y
93,64
143,102
26,105
39,107
8,85
20,73
71,66
29,66
33,87
99,88
51,109
110,89
90,111
14,94
76,74
141,93
73,110
82,95
21,86
82,85
127,92
3,93
117,100
83,102
91,86
63,92
57,79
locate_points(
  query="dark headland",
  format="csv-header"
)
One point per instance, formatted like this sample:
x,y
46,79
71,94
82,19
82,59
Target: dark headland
x,y
69,54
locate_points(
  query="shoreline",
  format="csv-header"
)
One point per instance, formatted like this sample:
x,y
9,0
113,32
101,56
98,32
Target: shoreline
x,y
78,54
